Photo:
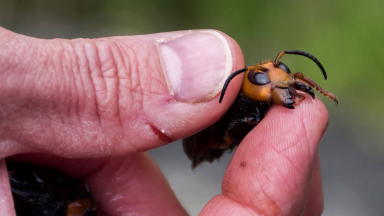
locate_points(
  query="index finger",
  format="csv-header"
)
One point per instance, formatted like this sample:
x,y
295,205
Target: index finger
x,y
271,170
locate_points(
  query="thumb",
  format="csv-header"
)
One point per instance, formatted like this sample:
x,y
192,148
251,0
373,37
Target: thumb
x,y
97,97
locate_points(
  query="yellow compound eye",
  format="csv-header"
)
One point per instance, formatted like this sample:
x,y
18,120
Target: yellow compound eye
x,y
258,78
257,85
283,66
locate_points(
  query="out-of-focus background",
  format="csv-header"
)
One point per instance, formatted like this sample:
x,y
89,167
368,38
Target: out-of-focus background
x,y
347,37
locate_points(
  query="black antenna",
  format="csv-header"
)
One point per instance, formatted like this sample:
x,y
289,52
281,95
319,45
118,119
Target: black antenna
x,y
229,80
302,53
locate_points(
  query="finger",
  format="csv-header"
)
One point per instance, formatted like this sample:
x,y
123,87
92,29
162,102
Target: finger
x,y
97,97
6,203
315,201
125,185
133,185
276,162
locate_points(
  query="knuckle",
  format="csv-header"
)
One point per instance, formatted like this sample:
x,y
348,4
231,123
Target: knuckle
x,y
115,82
121,77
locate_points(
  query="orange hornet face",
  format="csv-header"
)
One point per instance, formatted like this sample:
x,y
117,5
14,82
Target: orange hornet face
x,y
264,84
272,81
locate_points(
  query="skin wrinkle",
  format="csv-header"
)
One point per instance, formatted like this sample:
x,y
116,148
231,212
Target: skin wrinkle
x,y
15,45
138,107
281,153
80,47
141,96
158,81
55,118
55,64
136,92
119,85
116,170
59,54
137,84
67,120
78,91
56,59
148,65
133,66
42,62
80,57
303,140
248,205
133,76
74,95
262,187
291,140
81,87
87,112
303,125
153,80
115,67
26,84
101,92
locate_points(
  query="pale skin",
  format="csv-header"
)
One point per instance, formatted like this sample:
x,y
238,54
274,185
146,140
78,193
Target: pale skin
x,y
83,107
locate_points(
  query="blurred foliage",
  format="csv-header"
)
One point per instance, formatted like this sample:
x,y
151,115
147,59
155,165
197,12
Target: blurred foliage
x,y
346,36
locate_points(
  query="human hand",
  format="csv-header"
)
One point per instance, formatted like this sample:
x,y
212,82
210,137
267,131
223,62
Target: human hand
x,y
276,168
91,107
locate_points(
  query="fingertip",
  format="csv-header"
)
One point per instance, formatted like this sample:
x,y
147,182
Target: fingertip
x,y
309,118
177,79
197,63
222,205
238,63
279,155
196,88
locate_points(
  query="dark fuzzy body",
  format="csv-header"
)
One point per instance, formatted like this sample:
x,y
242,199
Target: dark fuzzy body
x,y
39,191
227,132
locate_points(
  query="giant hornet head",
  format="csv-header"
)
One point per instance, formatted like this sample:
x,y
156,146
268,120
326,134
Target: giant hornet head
x,y
272,81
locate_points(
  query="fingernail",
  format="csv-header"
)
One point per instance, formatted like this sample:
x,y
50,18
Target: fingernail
x,y
196,64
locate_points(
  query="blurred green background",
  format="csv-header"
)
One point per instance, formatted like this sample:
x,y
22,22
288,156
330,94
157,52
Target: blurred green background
x,y
346,36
